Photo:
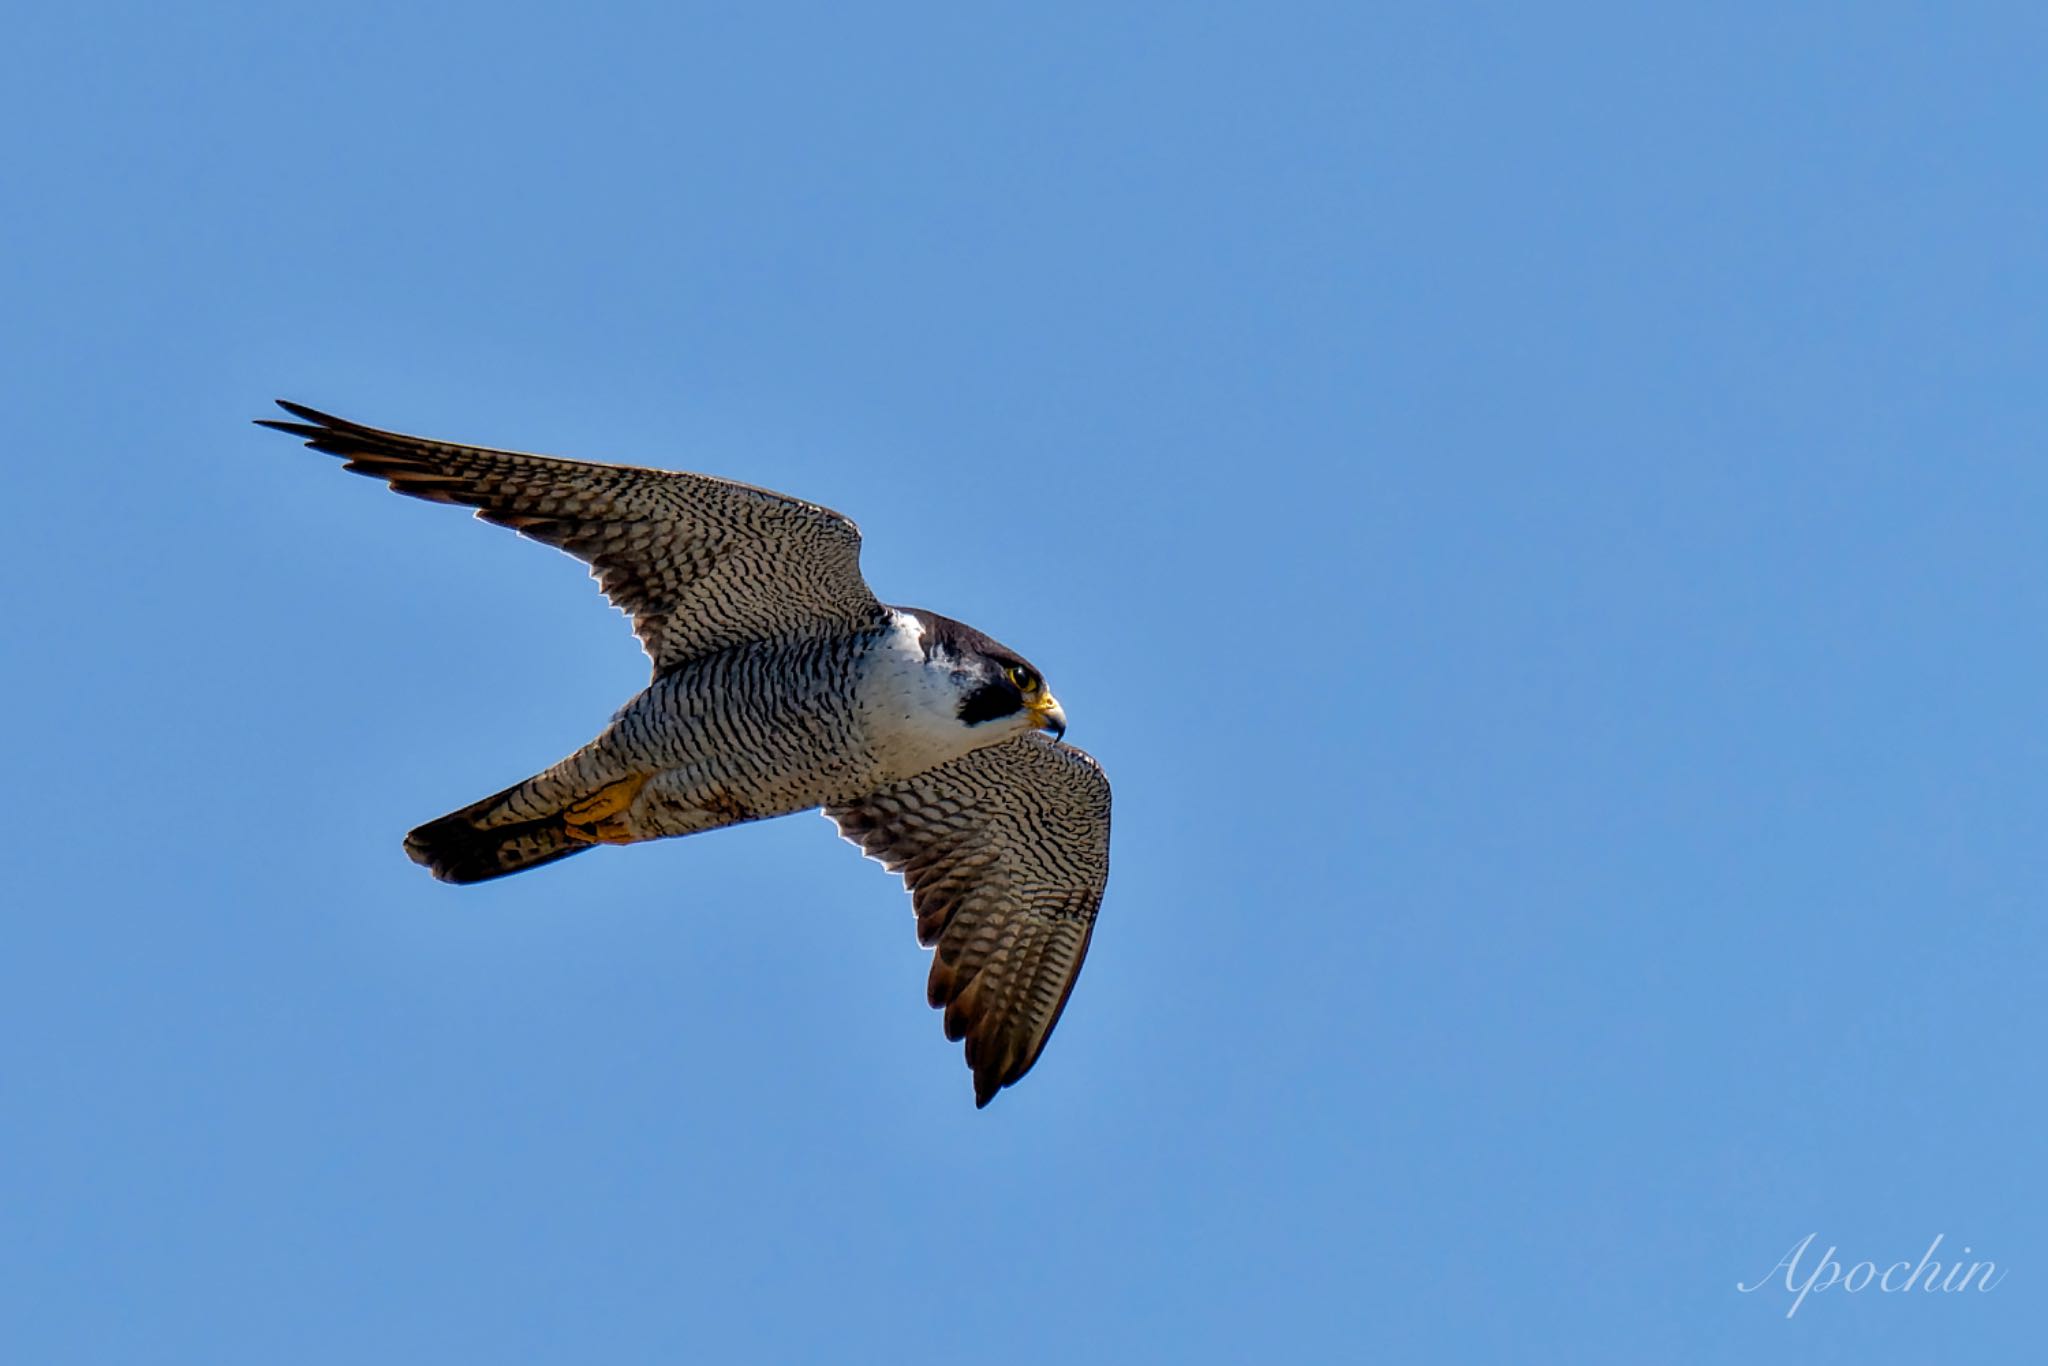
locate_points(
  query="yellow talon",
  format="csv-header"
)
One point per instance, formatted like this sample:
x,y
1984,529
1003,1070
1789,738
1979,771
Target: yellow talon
x,y
600,817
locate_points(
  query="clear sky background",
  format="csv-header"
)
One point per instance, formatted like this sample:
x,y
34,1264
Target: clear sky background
x,y
1539,509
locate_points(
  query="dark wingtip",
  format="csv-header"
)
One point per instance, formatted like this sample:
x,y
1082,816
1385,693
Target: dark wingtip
x,y
311,421
321,431
309,414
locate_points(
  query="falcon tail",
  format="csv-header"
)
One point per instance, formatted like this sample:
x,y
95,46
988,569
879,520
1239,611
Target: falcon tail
x,y
483,840
454,850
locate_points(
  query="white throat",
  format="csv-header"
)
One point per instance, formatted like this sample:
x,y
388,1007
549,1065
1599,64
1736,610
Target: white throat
x,y
910,705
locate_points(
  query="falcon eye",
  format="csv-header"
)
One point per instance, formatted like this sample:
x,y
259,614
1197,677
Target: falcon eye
x,y
1025,680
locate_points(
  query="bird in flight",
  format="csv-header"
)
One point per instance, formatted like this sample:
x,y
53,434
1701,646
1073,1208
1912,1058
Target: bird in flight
x,y
780,684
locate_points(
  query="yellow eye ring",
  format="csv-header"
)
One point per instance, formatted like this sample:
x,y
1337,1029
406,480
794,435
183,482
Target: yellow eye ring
x,y
1025,680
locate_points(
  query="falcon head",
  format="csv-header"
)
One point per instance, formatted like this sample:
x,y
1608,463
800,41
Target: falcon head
x,y
993,690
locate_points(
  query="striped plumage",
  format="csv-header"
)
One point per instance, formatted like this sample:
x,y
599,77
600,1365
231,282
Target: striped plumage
x,y
781,684
1007,932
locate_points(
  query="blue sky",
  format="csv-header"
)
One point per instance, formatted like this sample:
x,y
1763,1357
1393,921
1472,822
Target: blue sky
x,y
1538,509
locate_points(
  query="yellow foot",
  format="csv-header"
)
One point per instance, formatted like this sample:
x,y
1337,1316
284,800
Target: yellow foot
x,y
600,818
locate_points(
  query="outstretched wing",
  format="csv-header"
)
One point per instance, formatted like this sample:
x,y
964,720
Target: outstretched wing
x,y
1005,852
699,564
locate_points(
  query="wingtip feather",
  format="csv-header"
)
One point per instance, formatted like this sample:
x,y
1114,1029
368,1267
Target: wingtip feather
x,y
313,415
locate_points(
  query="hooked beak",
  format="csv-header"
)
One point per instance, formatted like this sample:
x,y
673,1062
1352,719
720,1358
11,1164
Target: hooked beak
x,y
1046,712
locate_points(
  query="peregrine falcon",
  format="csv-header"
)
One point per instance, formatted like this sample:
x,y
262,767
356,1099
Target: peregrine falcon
x,y
781,683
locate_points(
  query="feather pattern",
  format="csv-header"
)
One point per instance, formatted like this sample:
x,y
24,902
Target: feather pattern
x,y
1005,851
700,564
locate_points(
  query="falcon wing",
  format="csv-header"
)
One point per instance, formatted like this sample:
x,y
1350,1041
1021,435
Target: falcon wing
x,y
698,563
1005,852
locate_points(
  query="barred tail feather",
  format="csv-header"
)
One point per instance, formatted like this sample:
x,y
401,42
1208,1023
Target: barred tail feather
x,y
578,803
454,849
